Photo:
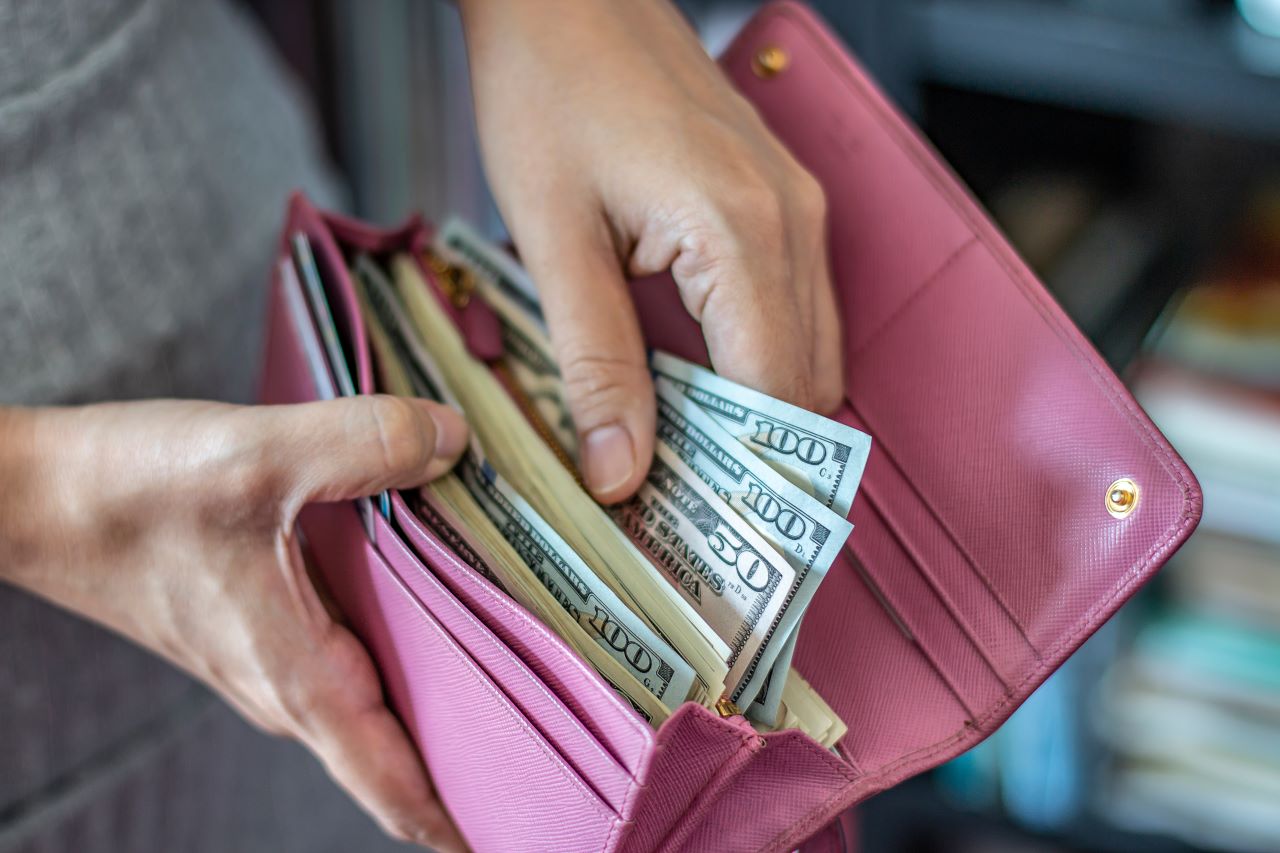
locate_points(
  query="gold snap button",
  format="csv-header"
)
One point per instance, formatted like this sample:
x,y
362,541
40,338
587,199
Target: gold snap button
x,y
1122,497
769,61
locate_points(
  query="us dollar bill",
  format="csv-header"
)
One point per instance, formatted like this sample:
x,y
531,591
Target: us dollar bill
x,y
764,708
405,354
824,457
527,351
621,633
457,519
512,446
729,573
606,620
807,534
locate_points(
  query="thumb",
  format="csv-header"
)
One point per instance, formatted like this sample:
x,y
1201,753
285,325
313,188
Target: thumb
x,y
359,446
600,350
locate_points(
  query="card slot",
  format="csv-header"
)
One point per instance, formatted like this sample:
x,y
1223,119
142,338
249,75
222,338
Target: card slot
x,y
484,753
887,691
285,378
990,629
932,626
592,762
1036,453
337,284
599,708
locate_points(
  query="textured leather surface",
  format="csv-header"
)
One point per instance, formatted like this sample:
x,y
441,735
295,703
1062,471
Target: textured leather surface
x,y
559,726
693,748
982,554
628,739
507,787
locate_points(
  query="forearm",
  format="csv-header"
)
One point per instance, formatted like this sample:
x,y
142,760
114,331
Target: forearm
x,y
64,533
21,544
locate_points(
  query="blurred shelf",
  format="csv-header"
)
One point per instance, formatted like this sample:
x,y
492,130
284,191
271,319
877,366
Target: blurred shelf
x,y
1186,67
914,818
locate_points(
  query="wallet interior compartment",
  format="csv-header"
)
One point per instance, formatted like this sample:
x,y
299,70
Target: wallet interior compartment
x,y
287,380
561,727
478,745
339,291
601,710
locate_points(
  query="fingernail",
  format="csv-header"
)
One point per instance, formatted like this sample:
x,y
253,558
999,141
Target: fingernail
x,y
608,458
451,431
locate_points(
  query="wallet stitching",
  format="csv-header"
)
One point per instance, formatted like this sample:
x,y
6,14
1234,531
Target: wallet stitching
x,y
922,755
955,541
1125,407
464,571
505,704
938,592
908,143
520,667
895,613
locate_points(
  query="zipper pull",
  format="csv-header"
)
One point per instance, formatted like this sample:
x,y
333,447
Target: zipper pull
x,y
457,283
473,317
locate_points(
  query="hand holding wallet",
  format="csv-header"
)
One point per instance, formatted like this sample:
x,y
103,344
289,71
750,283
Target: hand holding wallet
x,y
1014,498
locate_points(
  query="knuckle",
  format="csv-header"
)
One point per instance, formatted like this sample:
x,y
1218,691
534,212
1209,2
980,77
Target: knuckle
x,y
758,202
243,477
295,705
598,383
810,196
402,438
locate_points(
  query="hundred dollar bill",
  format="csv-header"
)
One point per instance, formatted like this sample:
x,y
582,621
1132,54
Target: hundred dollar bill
x,y
527,351
511,445
395,339
453,515
764,708
807,534
654,684
580,592
730,574
822,456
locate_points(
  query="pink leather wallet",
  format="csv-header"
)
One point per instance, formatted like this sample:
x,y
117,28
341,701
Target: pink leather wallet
x,y
989,538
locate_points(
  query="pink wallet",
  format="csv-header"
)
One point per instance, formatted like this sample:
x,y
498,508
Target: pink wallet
x,y
1015,497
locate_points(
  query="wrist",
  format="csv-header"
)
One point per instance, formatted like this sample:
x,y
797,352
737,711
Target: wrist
x,y
21,549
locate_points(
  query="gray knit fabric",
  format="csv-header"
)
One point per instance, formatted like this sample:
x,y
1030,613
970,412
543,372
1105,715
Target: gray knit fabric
x,y
146,150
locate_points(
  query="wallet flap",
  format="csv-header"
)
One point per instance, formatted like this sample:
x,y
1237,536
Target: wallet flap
x,y
304,218
983,551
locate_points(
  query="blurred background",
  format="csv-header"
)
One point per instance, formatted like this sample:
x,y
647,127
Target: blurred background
x,y
1129,149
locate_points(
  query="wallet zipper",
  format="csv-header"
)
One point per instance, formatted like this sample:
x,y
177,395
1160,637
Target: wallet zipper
x,y
458,283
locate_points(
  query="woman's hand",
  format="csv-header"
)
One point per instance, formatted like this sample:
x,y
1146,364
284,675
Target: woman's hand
x,y
615,145
173,523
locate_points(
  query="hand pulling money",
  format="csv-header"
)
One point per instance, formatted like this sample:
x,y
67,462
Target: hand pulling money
x,y
691,591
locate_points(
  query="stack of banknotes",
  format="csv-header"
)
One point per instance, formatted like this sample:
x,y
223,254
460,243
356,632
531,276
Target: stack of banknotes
x,y
695,589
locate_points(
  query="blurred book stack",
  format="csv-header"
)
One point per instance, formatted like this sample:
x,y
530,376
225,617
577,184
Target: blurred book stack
x,y
1191,712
